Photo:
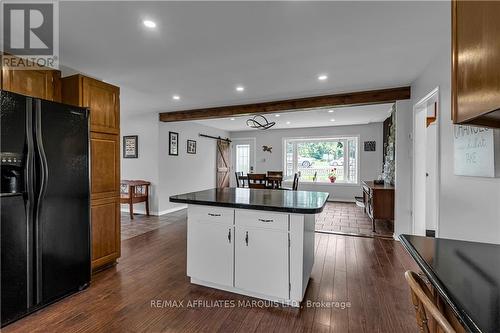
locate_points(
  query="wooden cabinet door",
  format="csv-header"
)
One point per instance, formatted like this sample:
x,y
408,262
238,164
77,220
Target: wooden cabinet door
x,y
43,84
105,165
103,101
105,217
261,261
210,251
476,62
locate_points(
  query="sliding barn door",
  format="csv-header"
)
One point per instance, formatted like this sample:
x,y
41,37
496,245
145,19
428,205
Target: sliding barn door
x,y
223,161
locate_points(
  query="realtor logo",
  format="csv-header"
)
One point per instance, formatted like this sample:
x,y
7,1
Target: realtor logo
x,y
30,31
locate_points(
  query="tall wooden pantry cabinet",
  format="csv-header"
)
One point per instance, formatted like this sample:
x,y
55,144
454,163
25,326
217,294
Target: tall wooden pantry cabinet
x,y
103,100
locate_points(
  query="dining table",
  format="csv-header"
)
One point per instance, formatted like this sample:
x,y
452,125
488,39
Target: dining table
x,y
273,182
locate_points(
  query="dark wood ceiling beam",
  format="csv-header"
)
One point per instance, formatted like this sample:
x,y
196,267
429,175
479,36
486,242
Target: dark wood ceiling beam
x,y
337,100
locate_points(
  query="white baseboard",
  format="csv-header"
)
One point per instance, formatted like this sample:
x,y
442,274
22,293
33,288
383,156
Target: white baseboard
x,y
155,213
171,210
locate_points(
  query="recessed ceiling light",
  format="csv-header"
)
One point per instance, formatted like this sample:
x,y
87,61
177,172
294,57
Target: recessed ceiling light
x,y
332,119
288,123
149,24
232,118
322,77
240,88
276,115
330,111
176,97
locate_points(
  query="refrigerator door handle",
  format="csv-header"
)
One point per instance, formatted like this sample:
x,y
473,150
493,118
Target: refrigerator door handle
x,y
44,175
29,199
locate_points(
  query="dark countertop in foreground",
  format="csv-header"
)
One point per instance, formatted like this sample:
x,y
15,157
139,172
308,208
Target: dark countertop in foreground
x,y
466,275
298,202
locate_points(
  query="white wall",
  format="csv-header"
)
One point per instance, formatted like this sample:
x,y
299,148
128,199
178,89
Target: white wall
x,y
468,206
370,162
169,175
186,172
145,167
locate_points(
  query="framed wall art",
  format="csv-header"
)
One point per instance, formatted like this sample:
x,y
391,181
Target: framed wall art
x,y
370,145
173,143
130,146
191,147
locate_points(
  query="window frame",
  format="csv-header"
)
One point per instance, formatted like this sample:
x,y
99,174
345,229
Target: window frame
x,y
285,140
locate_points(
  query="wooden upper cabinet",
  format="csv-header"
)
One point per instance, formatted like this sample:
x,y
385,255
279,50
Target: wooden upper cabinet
x,y
45,84
476,62
102,98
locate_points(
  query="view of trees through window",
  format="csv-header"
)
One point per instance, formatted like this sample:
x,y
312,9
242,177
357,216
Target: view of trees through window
x,y
322,159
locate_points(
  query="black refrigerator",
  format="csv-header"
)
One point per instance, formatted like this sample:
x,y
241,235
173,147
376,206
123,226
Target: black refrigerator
x,y
45,203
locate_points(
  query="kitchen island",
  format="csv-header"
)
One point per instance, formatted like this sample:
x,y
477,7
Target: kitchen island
x,y
254,242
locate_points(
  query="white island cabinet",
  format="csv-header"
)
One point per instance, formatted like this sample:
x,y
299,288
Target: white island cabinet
x,y
210,249
254,242
257,253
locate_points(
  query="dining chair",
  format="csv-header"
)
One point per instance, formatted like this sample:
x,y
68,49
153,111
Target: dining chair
x,y
421,298
238,175
295,184
257,180
274,179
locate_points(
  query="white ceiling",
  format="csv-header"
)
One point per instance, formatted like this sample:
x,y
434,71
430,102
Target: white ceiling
x,y
355,115
276,50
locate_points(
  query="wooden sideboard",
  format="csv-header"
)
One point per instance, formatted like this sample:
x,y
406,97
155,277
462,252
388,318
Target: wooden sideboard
x,y
103,100
379,201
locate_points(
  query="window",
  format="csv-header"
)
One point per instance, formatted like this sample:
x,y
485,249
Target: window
x,y
243,158
320,159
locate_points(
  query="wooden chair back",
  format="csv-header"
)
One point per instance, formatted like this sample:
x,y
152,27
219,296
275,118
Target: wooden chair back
x,y
238,175
275,173
256,180
422,298
274,179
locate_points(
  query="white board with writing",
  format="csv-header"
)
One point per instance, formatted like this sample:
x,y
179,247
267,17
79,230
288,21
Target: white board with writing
x,y
476,151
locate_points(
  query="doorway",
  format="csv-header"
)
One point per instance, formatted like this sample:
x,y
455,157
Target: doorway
x,y
242,157
426,165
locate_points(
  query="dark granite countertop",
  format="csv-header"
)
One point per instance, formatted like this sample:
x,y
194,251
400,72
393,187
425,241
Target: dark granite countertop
x,y
299,202
466,274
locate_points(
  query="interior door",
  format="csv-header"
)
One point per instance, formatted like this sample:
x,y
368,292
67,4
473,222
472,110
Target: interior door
x,y
63,206
223,167
210,252
261,261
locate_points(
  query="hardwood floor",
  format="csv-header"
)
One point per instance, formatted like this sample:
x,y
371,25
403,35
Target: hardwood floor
x,y
364,273
143,223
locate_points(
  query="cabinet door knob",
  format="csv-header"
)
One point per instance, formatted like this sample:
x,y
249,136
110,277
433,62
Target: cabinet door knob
x,y
264,220
212,214
246,238
229,236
